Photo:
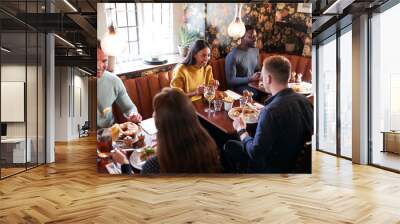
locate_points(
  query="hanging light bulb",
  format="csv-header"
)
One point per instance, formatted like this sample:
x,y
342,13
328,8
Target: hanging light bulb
x,y
112,42
236,28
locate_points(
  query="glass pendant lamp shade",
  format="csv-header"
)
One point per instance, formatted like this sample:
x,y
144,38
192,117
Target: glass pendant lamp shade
x,y
112,42
236,28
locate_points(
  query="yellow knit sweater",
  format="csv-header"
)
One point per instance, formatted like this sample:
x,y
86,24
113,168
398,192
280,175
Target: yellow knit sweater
x,y
188,77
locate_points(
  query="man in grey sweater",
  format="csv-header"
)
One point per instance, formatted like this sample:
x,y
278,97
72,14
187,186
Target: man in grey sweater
x,y
110,89
242,63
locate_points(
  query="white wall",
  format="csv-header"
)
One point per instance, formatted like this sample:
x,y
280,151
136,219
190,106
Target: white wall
x,y
71,94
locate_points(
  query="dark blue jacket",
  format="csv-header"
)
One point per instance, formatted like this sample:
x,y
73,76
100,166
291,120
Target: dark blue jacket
x,y
284,125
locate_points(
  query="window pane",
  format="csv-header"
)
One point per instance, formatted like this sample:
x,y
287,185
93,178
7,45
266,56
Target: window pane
x,y
327,97
132,34
133,46
131,18
124,33
385,114
346,94
121,19
121,7
157,13
109,5
130,6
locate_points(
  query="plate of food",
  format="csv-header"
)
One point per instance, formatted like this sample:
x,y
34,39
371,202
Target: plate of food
x,y
250,115
139,156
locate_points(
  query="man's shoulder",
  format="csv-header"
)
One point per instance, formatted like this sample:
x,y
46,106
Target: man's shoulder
x,y
232,52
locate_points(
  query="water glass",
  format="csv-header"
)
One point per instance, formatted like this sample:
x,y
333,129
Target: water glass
x,y
218,104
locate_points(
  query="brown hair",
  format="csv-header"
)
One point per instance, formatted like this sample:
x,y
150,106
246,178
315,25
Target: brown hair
x,y
278,67
184,146
197,46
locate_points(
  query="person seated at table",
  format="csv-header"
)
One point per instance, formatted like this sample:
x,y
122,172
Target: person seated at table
x,y
242,64
285,124
194,73
110,89
183,145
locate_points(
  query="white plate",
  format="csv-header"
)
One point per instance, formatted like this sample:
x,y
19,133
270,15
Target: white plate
x,y
135,160
248,120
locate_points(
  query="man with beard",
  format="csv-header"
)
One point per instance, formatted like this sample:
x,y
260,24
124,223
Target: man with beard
x,y
242,64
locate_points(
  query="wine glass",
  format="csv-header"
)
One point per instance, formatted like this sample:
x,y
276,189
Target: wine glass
x,y
209,94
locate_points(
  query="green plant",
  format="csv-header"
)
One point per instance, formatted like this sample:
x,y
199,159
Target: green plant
x,y
187,37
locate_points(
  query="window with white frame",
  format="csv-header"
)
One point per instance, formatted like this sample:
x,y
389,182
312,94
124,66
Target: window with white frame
x,y
146,27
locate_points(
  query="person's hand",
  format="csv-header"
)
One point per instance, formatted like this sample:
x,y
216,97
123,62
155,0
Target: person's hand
x,y
255,77
119,157
135,118
200,90
239,123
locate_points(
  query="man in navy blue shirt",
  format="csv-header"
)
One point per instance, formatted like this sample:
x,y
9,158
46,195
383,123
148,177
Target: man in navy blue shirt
x,y
285,124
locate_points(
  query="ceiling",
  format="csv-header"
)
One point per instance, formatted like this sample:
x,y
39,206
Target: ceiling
x,y
75,23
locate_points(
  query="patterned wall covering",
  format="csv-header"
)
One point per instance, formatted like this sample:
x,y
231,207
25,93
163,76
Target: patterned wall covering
x,y
281,27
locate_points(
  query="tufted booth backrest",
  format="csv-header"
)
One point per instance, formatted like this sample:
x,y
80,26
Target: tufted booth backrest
x,y
142,90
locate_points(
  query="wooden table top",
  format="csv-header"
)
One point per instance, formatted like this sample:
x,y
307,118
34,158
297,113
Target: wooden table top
x,y
219,119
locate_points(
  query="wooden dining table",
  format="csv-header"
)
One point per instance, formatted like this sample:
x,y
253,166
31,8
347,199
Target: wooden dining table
x,y
219,119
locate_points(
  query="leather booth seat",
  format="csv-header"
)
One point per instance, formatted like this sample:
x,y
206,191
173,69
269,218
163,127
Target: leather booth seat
x,y
143,89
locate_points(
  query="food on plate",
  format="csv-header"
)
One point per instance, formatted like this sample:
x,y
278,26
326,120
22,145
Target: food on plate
x,y
115,132
228,99
147,153
140,142
297,88
219,95
128,142
129,129
250,115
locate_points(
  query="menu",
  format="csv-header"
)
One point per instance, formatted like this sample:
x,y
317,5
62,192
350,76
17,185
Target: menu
x,y
149,126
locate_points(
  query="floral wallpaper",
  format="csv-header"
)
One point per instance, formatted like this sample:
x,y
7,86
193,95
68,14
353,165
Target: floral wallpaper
x,y
281,27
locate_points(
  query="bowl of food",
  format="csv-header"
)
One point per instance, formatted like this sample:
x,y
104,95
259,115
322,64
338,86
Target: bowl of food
x,y
250,115
228,102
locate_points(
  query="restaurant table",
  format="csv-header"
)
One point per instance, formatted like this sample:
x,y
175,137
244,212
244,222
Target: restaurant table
x,y
220,119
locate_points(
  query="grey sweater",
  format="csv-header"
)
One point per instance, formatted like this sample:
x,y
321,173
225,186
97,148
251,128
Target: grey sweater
x,y
240,65
110,89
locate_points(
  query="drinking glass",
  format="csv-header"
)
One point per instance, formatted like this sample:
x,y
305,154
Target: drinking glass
x,y
218,104
104,142
242,101
209,94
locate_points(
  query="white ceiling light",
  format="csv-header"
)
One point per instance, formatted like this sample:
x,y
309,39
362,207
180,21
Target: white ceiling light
x,y
112,42
65,41
236,28
5,50
70,5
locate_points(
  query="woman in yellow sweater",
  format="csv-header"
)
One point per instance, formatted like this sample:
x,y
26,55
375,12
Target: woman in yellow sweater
x,y
193,73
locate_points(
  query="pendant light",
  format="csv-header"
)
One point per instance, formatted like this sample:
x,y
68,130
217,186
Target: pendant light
x,y
236,28
112,43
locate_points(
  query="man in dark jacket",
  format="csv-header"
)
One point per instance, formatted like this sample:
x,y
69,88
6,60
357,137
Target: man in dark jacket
x,y
285,124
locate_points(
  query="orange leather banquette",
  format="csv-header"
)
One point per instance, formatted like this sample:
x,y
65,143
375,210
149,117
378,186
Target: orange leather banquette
x,y
143,89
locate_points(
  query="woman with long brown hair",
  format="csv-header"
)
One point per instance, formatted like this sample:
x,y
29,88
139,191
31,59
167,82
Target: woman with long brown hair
x,y
183,145
194,73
